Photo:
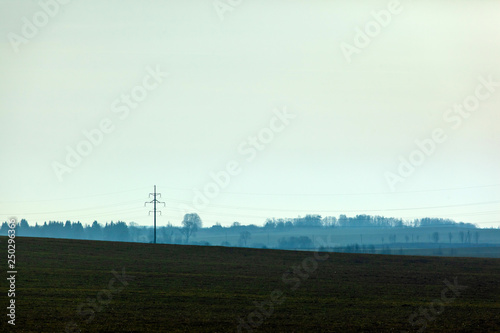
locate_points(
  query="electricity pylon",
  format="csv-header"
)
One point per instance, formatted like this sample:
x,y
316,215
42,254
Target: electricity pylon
x,y
154,201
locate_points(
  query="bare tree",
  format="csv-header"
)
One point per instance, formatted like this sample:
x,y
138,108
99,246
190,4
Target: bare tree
x,y
190,225
450,236
245,236
435,237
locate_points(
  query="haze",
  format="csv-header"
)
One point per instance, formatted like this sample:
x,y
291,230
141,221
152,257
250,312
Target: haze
x,y
350,117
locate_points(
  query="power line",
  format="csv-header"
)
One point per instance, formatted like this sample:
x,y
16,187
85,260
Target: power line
x,y
82,209
259,194
343,210
73,198
261,210
347,194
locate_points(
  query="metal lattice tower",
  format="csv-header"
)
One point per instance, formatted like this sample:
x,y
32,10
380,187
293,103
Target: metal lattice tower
x,y
154,202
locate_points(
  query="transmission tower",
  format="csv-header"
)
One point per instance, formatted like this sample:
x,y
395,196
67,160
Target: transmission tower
x,y
154,202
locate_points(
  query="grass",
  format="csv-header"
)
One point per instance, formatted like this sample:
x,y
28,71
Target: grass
x,y
206,289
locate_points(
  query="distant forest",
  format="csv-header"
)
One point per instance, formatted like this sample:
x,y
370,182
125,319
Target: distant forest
x,y
192,224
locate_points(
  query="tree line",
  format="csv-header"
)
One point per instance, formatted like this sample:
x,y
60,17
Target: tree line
x,y
192,223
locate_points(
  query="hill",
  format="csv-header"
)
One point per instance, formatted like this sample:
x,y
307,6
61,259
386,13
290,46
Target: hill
x,y
99,286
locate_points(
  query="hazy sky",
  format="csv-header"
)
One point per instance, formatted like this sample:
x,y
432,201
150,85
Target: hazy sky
x,y
311,105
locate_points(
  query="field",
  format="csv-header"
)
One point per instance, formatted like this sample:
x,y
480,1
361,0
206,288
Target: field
x,y
403,237
173,288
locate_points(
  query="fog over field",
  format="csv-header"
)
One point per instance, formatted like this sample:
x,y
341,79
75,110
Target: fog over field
x,y
249,110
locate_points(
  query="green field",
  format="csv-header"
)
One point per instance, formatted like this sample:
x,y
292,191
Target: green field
x,y
179,288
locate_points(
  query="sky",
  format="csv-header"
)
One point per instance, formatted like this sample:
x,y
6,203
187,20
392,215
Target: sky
x,y
242,111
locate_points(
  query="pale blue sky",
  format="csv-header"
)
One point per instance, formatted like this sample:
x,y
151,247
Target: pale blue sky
x,y
225,77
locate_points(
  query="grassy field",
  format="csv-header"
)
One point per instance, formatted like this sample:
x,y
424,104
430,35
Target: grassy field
x,y
67,283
